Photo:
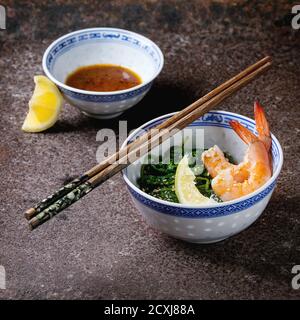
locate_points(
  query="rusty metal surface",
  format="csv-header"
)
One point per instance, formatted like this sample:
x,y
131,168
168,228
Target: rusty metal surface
x,y
101,247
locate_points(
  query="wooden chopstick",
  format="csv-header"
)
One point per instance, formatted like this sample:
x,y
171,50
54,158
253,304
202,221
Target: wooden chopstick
x,y
135,153
30,213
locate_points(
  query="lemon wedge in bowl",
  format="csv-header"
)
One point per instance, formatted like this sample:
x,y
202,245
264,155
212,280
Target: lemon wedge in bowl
x,y
185,188
44,106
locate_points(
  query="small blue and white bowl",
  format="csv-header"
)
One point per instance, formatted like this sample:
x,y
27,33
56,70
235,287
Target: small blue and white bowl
x,y
103,46
214,222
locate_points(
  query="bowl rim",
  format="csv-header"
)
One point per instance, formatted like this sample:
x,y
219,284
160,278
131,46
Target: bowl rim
x,y
212,205
100,93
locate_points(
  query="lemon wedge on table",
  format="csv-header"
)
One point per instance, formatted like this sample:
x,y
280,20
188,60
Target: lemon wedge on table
x,y
44,106
185,188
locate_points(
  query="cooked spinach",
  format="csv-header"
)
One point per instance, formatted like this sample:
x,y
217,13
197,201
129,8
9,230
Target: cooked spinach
x,y
158,179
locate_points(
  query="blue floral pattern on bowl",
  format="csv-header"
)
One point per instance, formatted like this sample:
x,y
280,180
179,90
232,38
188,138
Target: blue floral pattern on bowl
x,y
203,213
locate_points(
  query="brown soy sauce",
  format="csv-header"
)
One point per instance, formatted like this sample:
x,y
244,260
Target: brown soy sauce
x,y
103,77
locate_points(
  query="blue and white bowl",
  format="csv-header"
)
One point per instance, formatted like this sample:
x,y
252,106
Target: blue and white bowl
x,y
103,45
214,222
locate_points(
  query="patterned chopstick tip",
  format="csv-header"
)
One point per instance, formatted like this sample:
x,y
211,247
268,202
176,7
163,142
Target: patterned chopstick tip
x,y
30,213
60,204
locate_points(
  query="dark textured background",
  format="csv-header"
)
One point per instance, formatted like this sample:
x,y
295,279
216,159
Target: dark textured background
x,y
100,247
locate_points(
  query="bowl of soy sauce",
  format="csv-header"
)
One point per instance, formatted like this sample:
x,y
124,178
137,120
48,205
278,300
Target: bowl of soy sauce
x,y
103,71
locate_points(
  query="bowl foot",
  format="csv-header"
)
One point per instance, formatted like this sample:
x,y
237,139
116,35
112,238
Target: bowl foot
x,y
102,116
203,241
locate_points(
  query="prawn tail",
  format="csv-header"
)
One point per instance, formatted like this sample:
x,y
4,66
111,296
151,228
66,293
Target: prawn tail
x,y
262,125
245,134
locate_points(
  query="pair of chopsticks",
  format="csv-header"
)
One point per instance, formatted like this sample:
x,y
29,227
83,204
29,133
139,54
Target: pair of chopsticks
x,y
82,185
